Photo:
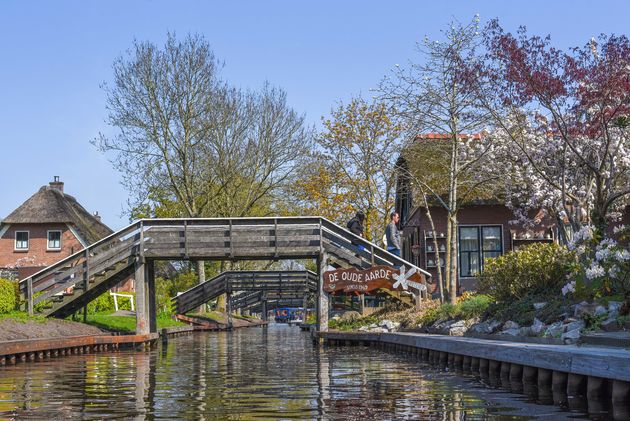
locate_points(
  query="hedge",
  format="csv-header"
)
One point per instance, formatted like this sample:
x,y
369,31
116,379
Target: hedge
x,y
8,295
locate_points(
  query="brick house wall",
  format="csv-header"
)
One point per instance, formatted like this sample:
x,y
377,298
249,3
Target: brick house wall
x,y
38,255
417,227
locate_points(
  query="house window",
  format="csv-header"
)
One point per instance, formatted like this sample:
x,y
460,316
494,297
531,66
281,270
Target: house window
x,y
54,240
476,245
21,240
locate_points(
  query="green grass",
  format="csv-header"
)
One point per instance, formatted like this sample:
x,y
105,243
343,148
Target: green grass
x,y
21,316
211,315
126,324
352,325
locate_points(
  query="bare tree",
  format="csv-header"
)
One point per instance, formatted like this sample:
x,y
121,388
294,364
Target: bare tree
x,y
190,145
429,99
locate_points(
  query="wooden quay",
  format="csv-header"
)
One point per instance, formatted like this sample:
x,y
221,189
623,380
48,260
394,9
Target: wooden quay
x,y
584,378
68,285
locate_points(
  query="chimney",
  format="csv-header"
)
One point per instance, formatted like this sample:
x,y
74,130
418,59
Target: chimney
x,y
56,184
97,216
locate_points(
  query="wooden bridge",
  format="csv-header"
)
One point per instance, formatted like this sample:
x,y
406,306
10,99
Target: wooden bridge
x,y
68,285
246,289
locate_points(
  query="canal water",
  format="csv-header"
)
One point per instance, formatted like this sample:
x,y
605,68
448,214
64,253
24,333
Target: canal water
x,y
254,374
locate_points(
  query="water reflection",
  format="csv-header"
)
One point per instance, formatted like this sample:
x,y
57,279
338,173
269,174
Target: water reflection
x,y
263,373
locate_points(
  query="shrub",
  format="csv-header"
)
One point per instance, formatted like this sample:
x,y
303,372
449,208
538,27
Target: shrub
x,y
469,307
8,295
163,296
104,303
535,269
474,306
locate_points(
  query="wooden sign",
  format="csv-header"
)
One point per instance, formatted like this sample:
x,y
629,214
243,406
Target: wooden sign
x,y
362,281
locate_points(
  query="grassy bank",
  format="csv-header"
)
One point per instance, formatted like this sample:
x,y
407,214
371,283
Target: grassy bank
x,y
21,316
126,324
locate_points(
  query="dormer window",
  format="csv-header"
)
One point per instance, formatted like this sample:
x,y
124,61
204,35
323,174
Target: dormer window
x,y
54,240
21,240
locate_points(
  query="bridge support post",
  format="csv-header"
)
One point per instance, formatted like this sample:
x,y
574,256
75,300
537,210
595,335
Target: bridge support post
x,y
228,305
362,304
323,297
146,321
304,306
142,311
263,308
150,291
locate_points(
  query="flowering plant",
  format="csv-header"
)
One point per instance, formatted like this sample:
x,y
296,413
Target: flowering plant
x,y
603,261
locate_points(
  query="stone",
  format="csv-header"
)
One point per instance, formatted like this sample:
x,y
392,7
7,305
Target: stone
x,y
482,328
537,327
379,330
363,329
583,309
611,325
578,324
539,306
600,311
457,328
554,330
613,306
525,331
511,332
350,316
373,325
384,323
389,325
571,336
510,325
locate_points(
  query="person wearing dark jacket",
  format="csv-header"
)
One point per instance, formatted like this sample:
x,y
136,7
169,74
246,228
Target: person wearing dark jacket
x,y
393,235
355,225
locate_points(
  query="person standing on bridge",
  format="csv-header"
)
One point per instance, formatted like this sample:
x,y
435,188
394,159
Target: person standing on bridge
x,y
393,235
355,225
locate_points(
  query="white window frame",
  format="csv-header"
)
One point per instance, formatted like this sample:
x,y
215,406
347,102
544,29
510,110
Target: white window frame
x,y
28,241
48,240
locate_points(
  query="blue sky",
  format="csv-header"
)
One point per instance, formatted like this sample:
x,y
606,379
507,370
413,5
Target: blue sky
x,y
55,55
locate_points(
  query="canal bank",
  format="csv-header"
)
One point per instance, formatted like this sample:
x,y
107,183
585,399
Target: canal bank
x,y
599,374
40,340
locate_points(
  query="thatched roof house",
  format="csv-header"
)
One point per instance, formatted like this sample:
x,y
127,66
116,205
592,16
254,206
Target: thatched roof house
x,y
50,205
47,227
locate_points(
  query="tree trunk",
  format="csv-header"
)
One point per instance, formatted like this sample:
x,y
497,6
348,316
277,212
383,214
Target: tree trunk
x,y
453,261
221,301
440,279
447,257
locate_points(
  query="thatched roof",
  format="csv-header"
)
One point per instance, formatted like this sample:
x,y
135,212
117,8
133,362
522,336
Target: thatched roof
x,y
51,205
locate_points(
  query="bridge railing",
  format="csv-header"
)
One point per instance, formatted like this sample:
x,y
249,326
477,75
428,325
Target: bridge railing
x,y
209,239
76,269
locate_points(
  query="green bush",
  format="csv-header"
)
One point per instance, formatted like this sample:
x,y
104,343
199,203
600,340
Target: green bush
x,y
163,296
475,306
468,308
8,295
104,303
535,269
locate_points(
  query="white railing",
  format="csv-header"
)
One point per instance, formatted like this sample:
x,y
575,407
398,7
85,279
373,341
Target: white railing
x,y
117,294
